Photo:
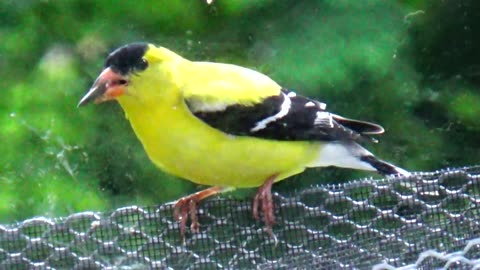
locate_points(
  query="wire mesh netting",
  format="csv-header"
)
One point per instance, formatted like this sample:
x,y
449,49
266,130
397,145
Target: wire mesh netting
x,y
425,221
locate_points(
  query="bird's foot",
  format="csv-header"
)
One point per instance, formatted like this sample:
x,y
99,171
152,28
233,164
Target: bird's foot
x,y
183,208
263,201
187,207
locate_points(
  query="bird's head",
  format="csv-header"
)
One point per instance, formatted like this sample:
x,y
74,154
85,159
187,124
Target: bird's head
x,y
124,71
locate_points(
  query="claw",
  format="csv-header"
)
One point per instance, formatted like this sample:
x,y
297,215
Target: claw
x,y
182,208
187,207
194,226
263,201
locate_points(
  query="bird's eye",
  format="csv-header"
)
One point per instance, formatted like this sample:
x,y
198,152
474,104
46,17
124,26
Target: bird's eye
x,y
142,65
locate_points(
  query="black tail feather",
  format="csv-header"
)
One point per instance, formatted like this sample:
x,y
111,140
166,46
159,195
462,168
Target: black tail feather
x,y
383,167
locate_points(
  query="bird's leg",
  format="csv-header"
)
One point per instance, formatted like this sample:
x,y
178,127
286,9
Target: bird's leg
x,y
263,198
188,205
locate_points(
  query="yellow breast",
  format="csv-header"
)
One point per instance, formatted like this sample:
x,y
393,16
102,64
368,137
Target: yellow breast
x,y
180,144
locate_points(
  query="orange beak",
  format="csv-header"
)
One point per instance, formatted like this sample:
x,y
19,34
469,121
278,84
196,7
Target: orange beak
x,y
108,86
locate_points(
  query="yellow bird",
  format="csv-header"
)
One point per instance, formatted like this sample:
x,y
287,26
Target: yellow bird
x,y
227,126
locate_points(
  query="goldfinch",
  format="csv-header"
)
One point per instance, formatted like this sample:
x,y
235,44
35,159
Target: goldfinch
x,y
227,126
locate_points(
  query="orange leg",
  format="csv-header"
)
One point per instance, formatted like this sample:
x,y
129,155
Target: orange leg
x,y
188,205
263,198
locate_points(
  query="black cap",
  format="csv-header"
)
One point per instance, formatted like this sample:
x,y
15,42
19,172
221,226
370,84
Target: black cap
x,y
128,59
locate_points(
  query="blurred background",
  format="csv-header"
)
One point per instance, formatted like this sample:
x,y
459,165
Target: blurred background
x,y
411,65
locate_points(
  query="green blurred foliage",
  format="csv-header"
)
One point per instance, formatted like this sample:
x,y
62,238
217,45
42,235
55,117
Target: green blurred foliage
x,y
411,65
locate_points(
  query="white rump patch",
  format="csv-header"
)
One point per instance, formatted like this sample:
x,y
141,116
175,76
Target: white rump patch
x,y
343,155
284,109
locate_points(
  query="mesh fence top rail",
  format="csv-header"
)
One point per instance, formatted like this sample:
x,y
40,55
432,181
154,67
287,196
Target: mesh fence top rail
x,y
424,221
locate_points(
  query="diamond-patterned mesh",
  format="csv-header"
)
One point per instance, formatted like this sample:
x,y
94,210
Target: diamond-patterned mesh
x,y
426,221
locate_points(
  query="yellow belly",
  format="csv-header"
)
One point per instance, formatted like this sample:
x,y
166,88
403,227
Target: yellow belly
x,y
180,144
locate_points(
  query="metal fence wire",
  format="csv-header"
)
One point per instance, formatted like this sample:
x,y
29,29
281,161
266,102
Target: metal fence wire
x,y
425,221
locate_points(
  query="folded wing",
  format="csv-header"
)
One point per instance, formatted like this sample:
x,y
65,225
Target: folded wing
x,y
285,117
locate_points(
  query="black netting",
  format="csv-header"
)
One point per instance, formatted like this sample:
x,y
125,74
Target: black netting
x,y
426,221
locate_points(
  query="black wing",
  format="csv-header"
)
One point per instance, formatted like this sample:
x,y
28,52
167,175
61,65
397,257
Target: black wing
x,y
288,117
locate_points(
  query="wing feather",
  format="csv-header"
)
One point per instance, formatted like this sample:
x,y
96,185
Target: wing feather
x,y
285,117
